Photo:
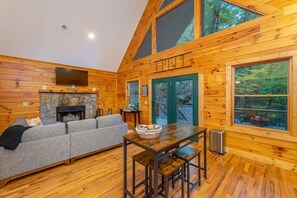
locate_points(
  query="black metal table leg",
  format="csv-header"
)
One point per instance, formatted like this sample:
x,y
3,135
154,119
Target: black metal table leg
x,y
205,153
134,119
138,117
146,179
125,168
155,175
188,179
182,182
199,169
133,177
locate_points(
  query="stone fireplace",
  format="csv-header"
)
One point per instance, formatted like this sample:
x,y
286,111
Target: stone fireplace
x,y
67,106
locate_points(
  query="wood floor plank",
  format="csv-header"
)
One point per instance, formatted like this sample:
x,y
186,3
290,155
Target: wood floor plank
x,y
101,175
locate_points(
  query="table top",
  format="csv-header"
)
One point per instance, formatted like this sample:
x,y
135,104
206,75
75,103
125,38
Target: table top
x,y
172,135
130,111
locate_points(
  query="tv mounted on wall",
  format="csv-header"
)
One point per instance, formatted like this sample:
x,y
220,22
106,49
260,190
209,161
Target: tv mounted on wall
x,y
71,77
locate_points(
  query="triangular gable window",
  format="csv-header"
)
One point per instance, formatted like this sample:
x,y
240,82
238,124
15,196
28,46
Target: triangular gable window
x,y
188,34
219,15
146,46
176,27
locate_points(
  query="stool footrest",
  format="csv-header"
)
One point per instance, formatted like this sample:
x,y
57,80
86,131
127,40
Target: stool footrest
x,y
140,183
195,165
194,185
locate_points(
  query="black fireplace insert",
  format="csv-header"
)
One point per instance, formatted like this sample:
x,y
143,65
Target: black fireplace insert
x,y
77,111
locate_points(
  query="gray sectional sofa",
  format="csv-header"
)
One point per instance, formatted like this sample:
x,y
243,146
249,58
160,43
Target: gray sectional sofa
x,y
51,145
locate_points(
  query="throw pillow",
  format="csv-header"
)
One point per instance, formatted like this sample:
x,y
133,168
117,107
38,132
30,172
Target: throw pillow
x,y
34,122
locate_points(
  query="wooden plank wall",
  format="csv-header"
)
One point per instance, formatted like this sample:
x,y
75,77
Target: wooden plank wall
x,y
33,75
271,34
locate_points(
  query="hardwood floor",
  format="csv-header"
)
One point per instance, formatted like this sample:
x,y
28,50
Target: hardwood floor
x,y
100,175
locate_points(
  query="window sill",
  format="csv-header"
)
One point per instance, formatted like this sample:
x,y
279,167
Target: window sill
x,y
263,132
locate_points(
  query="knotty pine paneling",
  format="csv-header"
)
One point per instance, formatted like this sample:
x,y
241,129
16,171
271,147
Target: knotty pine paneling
x,y
33,75
270,34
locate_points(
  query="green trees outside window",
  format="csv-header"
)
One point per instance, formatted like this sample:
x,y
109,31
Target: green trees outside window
x,y
261,95
219,15
176,26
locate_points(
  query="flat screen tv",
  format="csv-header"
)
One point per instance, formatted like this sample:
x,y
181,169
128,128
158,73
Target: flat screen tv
x,y
71,77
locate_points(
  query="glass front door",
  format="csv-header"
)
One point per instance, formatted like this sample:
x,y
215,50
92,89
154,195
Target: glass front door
x,y
175,99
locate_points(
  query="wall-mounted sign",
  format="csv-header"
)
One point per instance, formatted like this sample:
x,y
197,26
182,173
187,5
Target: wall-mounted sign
x,y
144,90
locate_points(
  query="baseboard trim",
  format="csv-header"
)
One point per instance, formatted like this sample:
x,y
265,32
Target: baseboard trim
x,y
72,160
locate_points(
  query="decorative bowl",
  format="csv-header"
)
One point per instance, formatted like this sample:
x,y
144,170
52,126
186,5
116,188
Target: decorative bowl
x,y
149,131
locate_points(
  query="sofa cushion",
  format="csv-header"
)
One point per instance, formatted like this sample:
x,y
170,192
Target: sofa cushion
x,y
109,120
81,125
49,121
97,139
42,132
20,121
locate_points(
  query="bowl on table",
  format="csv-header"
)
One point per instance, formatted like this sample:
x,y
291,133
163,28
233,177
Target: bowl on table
x,y
149,131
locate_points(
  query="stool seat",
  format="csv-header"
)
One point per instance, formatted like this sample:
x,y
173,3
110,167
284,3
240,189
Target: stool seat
x,y
168,165
143,158
187,153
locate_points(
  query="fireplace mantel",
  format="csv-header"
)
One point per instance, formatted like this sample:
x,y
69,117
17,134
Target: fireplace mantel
x,y
68,91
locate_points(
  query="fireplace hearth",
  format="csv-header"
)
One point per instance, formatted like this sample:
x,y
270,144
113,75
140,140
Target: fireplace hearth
x,y
70,113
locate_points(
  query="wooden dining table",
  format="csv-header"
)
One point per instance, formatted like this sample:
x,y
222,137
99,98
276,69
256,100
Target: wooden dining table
x,y
172,136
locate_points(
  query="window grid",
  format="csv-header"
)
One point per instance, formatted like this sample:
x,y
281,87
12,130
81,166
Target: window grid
x,y
259,112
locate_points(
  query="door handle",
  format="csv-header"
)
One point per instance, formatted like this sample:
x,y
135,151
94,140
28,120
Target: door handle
x,y
153,106
157,109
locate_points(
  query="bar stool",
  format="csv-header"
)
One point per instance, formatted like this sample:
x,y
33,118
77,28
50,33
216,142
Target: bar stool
x,y
143,158
188,153
166,167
